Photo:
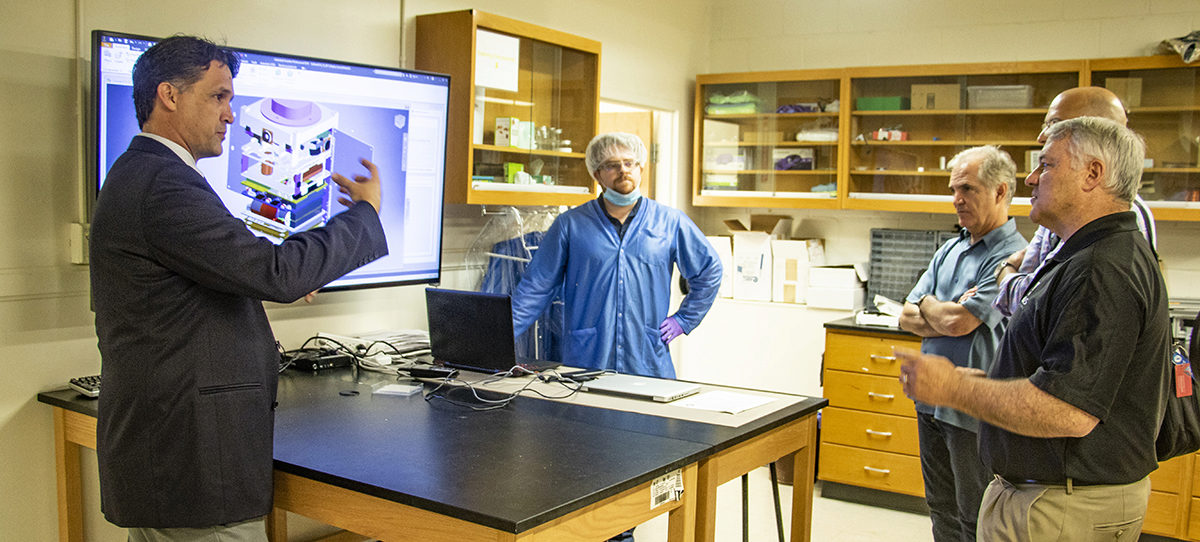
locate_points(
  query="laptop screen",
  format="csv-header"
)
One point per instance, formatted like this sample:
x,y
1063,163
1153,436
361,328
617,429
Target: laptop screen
x,y
471,330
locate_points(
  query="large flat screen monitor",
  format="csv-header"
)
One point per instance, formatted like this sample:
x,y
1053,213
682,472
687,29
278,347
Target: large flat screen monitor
x,y
298,119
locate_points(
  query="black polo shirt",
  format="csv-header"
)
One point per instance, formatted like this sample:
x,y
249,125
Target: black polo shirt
x,y
1093,331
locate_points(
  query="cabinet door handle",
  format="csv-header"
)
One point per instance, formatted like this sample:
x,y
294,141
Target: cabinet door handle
x,y
889,359
884,434
877,471
884,396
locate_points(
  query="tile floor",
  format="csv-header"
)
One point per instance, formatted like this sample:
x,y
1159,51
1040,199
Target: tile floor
x,y
833,520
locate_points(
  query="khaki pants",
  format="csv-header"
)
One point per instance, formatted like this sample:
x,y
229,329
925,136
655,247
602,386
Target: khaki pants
x,y
1039,512
253,530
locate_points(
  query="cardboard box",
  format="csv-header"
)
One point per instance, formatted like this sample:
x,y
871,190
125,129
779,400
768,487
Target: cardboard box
x,y
723,158
1128,89
792,261
752,260
847,299
936,96
724,247
837,276
883,134
1000,97
881,103
1032,159
511,169
522,135
504,128
714,181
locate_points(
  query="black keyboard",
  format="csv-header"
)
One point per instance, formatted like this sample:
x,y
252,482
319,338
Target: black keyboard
x,y
87,385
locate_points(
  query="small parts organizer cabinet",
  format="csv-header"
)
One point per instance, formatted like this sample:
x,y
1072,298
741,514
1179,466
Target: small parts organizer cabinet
x,y
869,429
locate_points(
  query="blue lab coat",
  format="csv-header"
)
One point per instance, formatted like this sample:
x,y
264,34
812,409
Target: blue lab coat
x,y
617,291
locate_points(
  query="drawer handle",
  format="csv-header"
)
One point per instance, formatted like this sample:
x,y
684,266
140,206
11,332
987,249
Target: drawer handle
x,y
889,359
878,471
884,434
884,396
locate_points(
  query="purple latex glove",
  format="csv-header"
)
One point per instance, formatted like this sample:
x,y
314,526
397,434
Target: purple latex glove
x,y
670,329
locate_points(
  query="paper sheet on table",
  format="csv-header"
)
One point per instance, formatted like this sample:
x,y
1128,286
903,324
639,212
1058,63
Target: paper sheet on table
x,y
723,401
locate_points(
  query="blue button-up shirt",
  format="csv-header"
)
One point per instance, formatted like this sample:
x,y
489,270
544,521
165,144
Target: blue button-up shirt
x,y
955,268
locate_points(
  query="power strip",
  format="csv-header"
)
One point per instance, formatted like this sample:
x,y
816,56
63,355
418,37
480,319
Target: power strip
x,y
318,359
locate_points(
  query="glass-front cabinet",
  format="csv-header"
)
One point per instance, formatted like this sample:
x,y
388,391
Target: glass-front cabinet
x,y
523,106
907,122
1162,95
880,138
768,142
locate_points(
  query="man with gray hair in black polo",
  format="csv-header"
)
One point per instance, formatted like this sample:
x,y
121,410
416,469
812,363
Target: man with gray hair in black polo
x,y
1071,406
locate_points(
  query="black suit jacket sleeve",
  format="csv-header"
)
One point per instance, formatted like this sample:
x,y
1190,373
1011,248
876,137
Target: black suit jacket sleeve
x,y
200,240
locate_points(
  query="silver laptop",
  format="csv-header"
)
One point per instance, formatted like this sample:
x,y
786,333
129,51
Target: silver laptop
x,y
642,387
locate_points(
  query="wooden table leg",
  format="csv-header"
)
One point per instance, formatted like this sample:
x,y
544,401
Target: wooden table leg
x,y
70,494
277,525
681,522
706,501
804,463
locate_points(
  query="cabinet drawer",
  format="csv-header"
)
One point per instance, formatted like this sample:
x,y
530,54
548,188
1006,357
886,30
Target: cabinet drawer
x,y
884,432
864,354
869,468
1168,477
1162,514
1193,532
867,392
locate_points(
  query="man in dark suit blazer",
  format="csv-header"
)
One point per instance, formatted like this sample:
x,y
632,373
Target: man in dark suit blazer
x,y
184,435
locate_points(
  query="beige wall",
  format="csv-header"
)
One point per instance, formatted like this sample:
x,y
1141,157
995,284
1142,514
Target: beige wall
x,y
652,50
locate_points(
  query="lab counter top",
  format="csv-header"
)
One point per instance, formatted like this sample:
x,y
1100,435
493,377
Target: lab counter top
x,y
848,324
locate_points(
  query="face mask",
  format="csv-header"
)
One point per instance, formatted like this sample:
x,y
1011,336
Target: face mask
x,y
622,200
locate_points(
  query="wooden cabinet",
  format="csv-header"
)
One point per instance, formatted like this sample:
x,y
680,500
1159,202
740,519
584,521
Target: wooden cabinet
x,y
1162,95
896,127
769,140
962,106
869,429
1170,495
523,98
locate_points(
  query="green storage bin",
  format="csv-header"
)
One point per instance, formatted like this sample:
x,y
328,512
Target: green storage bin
x,y
881,103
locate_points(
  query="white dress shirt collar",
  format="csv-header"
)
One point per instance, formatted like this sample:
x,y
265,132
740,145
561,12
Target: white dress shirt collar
x,y
175,148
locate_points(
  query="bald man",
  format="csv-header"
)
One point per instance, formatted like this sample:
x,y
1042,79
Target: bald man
x,y
1015,273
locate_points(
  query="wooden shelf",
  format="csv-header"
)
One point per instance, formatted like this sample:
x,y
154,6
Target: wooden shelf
x,y
947,143
902,172
1164,109
948,112
774,144
783,172
528,152
772,116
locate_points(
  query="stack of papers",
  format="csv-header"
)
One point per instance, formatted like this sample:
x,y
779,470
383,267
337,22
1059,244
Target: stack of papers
x,y
886,313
